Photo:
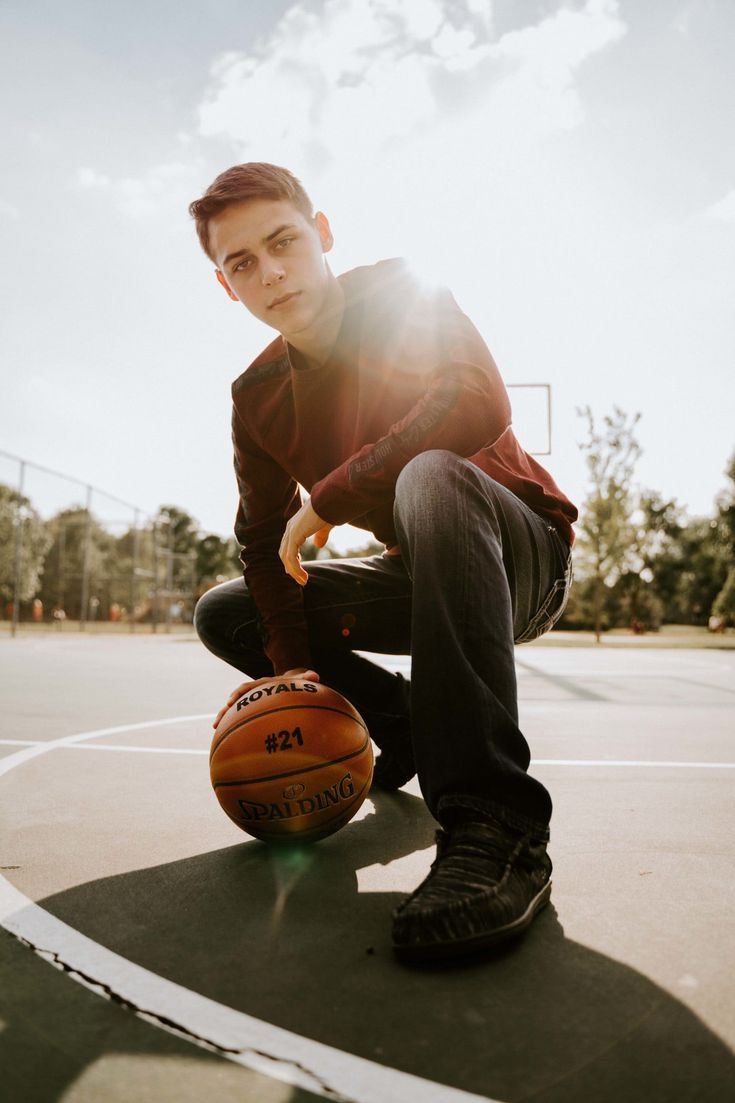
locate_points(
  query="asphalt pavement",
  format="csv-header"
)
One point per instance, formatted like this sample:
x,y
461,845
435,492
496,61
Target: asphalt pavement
x,y
152,951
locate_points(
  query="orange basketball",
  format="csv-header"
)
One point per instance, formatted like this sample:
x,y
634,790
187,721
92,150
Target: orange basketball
x,y
291,760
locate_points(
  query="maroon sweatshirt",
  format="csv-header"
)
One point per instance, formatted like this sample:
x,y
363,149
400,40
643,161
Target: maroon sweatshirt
x,y
409,372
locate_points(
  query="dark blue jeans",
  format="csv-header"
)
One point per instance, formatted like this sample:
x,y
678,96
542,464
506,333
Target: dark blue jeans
x,y
478,571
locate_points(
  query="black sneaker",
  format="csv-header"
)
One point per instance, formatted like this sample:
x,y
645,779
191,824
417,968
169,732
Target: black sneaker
x,y
486,884
394,766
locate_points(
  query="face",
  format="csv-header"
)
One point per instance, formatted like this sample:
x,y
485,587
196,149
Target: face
x,y
270,257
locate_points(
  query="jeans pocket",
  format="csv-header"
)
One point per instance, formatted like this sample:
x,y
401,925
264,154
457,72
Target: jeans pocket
x,y
551,608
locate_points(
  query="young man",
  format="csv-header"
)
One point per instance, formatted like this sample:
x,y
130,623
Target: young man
x,y
380,398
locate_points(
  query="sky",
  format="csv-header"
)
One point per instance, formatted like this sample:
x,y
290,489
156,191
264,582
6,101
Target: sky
x,y
567,169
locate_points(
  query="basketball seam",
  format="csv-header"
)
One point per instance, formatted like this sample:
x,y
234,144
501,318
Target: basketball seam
x,y
281,708
290,773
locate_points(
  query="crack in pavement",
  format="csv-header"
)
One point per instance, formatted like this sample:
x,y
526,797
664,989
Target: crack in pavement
x,y
101,989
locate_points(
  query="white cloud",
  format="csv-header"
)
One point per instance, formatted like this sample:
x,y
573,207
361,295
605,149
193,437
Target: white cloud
x,y
724,209
355,78
371,100
88,179
547,56
682,21
168,184
417,125
9,210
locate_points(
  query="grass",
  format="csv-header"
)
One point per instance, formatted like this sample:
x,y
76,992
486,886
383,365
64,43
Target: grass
x,y
100,627
668,636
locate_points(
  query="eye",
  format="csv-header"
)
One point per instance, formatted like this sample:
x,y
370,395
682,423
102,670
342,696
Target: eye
x,y
243,264
284,242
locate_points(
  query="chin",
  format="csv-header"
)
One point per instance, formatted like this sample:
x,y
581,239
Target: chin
x,y
296,326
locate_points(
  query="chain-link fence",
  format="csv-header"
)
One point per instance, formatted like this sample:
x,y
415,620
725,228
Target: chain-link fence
x,y
72,555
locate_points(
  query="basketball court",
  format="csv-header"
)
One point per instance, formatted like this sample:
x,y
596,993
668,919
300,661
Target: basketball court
x,y
178,959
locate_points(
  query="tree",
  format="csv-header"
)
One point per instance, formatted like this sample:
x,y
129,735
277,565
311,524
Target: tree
x,y
176,544
74,539
217,559
130,564
724,604
17,510
656,524
690,576
606,533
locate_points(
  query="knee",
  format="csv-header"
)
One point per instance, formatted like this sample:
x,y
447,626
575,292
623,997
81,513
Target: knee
x,y
425,473
446,493
206,618
217,611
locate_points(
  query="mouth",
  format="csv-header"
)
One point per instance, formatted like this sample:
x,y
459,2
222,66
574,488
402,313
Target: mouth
x,y
283,300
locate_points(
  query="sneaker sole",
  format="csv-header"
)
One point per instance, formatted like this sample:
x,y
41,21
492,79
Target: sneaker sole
x,y
436,951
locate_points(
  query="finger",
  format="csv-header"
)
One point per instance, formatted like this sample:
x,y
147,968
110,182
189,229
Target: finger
x,y
236,693
321,537
298,573
285,552
245,687
291,560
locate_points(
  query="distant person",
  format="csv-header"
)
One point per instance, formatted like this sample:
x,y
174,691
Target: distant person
x,y
381,398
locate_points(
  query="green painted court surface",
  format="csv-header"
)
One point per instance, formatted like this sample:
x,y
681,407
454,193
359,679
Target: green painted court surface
x,y
213,967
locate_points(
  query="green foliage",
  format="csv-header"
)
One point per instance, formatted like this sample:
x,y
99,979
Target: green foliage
x,y
637,557
370,547
656,525
15,510
217,560
71,533
724,603
606,534
690,572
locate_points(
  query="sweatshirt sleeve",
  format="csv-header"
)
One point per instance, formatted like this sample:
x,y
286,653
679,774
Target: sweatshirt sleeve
x,y
268,497
462,406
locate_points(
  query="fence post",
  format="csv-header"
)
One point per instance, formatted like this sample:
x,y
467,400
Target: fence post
x,y
19,519
170,573
85,567
154,607
193,582
61,566
133,570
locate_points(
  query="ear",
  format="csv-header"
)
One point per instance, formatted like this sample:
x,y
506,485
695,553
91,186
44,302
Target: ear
x,y
221,280
324,230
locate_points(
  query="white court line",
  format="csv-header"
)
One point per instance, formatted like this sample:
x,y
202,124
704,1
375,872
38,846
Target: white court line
x,y
631,762
36,749
203,751
255,1044
105,747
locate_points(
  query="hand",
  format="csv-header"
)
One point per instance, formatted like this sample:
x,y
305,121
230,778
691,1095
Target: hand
x,y
299,528
245,687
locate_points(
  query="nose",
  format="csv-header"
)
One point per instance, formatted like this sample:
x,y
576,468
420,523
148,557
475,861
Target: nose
x,y
271,272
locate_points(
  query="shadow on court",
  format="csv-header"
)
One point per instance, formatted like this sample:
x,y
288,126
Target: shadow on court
x,y
287,937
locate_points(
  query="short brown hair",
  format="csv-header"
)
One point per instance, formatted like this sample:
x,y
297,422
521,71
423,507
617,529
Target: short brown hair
x,y
254,180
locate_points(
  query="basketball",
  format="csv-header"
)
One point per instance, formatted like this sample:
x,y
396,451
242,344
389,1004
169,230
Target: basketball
x,y
291,761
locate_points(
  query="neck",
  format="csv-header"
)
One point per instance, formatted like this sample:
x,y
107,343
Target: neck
x,y
317,342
